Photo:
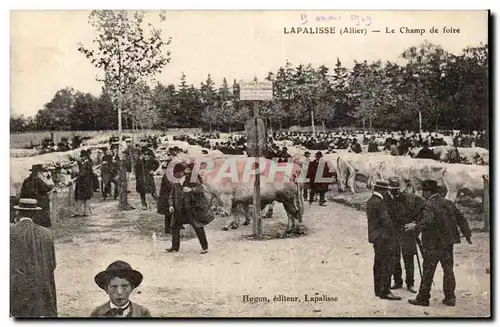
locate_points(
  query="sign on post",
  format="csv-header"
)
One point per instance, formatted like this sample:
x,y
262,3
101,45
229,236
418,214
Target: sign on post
x,y
256,91
257,137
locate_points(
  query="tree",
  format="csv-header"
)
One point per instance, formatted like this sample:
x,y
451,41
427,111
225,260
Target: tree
x,y
127,55
84,114
165,103
340,87
55,115
423,81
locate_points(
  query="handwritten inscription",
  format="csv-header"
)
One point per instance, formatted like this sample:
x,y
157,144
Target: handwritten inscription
x,y
355,19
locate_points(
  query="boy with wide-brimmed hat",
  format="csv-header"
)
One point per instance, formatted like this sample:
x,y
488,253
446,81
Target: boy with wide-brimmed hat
x,y
118,281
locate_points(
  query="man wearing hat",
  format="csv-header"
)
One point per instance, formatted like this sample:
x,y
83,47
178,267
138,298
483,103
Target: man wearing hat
x,y
84,186
118,281
381,235
318,187
37,186
372,145
188,205
401,208
440,224
32,265
163,205
145,168
355,146
426,153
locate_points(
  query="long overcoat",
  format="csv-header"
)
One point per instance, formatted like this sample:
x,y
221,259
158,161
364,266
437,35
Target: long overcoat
x,y
145,182
107,169
163,197
32,265
84,188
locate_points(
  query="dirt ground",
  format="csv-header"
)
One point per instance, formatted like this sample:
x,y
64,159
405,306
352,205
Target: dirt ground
x,y
333,258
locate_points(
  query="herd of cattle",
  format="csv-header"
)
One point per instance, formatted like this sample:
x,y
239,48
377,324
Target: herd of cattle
x,y
283,181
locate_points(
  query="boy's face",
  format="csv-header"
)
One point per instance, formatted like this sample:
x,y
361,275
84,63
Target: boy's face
x,y
119,290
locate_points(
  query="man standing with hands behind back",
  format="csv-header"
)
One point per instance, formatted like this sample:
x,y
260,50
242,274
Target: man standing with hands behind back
x,y
440,222
381,235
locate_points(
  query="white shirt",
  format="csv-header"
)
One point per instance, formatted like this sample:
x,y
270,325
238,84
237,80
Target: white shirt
x,y
378,194
126,312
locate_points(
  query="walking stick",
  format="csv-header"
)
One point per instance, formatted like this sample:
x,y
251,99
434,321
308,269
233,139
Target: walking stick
x,y
419,243
418,260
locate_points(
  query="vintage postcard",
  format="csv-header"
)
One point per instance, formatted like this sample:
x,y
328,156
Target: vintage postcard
x,y
329,164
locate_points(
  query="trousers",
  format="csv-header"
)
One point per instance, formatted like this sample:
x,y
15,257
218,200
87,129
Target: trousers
x,y
409,263
143,198
431,259
317,190
383,266
200,233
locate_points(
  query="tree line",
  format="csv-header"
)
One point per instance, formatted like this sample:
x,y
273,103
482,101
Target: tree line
x,y
448,91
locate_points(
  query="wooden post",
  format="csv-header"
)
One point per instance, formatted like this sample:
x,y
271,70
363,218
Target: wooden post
x,y
486,204
54,210
420,122
312,122
257,222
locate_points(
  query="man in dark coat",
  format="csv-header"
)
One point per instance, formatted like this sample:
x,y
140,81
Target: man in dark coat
x,y
381,235
317,186
37,186
188,205
84,186
403,209
355,146
163,198
32,265
145,168
426,153
107,174
440,224
372,145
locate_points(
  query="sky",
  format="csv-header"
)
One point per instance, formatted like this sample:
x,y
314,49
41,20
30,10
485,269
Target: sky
x,y
232,44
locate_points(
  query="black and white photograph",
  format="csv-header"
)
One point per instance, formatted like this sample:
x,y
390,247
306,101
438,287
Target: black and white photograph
x,y
250,164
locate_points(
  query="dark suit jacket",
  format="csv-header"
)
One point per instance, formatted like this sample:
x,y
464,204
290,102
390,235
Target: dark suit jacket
x,y
163,200
404,209
137,310
441,220
379,223
34,188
